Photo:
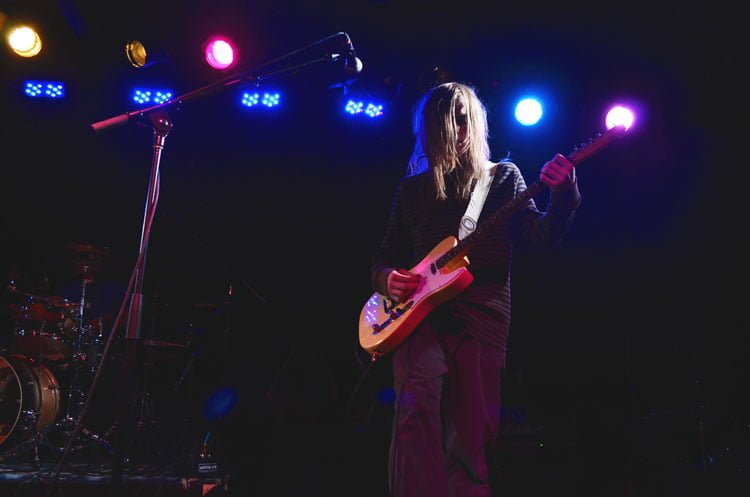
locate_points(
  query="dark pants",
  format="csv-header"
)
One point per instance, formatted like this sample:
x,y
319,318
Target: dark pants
x,y
447,412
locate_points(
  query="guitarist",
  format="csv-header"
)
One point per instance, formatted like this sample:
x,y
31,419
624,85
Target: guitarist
x,y
447,371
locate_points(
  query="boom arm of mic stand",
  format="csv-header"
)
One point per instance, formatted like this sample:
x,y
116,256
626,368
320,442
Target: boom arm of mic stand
x,y
226,82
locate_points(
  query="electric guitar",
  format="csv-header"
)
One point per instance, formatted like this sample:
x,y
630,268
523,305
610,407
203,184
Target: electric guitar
x,y
384,323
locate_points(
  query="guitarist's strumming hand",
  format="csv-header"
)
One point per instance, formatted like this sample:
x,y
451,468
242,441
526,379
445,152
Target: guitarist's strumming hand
x,y
401,284
558,174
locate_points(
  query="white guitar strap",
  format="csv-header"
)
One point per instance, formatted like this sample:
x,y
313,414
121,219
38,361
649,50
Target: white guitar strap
x,y
469,220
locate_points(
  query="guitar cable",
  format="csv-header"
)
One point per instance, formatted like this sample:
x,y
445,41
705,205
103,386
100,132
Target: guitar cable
x,y
362,377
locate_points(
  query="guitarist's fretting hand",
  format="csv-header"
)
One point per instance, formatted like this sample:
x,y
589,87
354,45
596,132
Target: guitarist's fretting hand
x,y
558,174
401,284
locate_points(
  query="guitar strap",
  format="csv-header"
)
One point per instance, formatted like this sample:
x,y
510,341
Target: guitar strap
x,y
469,220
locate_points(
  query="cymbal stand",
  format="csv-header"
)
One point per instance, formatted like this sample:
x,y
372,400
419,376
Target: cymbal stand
x,y
77,347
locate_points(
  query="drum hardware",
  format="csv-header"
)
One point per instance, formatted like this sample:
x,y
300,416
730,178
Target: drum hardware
x,y
84,259
36,390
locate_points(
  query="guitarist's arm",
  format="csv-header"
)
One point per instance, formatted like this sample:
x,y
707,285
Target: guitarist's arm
x,y
559,174
546,229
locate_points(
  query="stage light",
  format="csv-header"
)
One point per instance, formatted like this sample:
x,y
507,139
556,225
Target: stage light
x,y
44,89
143,96
141,54
528,111
136,53
374,110
354,107
266,98
270,99
619,115
219,53
25,41
250,99
371,109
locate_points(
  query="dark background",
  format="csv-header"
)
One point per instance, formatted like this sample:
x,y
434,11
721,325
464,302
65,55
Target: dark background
x,y
627,357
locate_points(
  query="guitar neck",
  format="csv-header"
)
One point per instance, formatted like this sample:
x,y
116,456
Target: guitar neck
x,y
498,217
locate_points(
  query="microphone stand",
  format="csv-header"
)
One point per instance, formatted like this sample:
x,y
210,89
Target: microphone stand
x,y
162,125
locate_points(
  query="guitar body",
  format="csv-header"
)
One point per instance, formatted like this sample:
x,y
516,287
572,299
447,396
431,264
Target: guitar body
x,y
383,324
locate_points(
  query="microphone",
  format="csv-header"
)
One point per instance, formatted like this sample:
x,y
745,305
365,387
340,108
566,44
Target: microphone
x,y
352,63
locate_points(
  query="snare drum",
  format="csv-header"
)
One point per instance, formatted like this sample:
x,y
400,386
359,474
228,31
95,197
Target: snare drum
x,y
29,398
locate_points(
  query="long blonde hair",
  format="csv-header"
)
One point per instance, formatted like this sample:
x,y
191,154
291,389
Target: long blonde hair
x,y
436,132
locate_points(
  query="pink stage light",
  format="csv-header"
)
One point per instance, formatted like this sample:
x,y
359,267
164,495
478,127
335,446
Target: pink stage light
x,y
219,53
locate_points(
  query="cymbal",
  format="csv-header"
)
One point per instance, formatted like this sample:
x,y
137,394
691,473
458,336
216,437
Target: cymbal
x,y
39,308
61,302
85,253
85,259
37,313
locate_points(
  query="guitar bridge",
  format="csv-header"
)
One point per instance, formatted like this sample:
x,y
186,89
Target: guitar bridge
x,y
393,314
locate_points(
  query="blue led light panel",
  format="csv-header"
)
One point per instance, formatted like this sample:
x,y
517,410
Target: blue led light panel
x,y
44,89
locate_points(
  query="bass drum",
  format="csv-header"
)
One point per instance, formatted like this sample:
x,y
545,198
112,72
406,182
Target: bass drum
x,y
29,398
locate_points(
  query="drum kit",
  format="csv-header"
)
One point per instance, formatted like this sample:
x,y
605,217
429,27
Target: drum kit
x,y
53,352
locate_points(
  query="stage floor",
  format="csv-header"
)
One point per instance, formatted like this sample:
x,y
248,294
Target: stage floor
x,y
96,479
516,471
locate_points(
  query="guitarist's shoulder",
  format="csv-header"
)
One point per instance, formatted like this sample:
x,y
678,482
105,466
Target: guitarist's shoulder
x,y
506,168
506,164
418,180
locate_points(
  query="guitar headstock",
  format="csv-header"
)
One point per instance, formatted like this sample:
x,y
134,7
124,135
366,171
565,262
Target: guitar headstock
x,y
596,144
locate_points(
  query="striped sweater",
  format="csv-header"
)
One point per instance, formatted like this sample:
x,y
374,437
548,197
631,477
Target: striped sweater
x,y
418,221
